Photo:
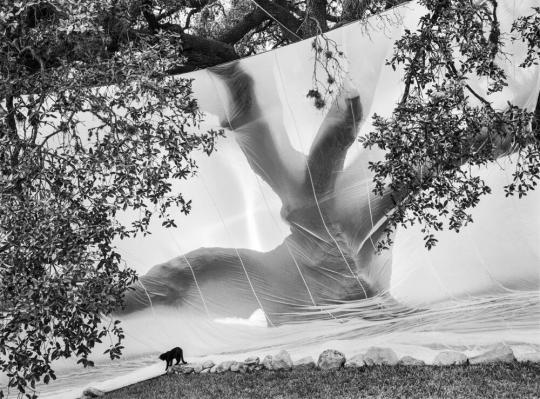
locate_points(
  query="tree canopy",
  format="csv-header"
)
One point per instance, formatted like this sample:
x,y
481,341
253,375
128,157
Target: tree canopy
x,y
63,182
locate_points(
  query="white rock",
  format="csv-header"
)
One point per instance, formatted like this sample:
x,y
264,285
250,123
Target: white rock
x,y
91,392
411,361
213,369
208,364
499,353
377,356
305,362
235,366
356,361
224,366
176,369
187,369
181,369
267,362
252,361
282,361
197,368
205,371
331,359
448,358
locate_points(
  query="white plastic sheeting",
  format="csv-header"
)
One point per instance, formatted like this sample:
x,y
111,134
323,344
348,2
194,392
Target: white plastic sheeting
x,y
278,249
284,218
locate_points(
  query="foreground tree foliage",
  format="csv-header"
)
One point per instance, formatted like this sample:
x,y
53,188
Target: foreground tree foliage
x,y
71,157
92,125
441,123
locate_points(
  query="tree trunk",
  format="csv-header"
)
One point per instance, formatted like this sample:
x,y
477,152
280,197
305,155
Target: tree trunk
x,y
315,22
326,259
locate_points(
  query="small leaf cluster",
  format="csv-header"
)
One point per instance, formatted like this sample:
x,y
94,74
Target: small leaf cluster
x,y
327,62
528,28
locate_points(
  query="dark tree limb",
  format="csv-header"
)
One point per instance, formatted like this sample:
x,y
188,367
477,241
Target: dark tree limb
x,y
336,134
247,23
153,22
256,138
203,53
290,25
536,118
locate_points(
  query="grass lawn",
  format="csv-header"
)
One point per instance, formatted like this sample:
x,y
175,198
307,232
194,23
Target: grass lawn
x,y
516,380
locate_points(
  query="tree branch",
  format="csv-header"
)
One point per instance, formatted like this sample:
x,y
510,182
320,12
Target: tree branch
x,y
353,10
202,53
334,138
10,117
289,24
248,22
413,66
168,13
190,14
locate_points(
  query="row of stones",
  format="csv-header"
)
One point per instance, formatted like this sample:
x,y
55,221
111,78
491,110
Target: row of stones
x,y
332,359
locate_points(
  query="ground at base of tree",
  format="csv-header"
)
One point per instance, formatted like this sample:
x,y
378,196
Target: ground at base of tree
x,y
514,380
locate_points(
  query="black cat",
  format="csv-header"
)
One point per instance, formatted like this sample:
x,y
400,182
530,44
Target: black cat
x,y
169,356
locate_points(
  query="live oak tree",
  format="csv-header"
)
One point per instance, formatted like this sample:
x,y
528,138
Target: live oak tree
x,y
91,124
